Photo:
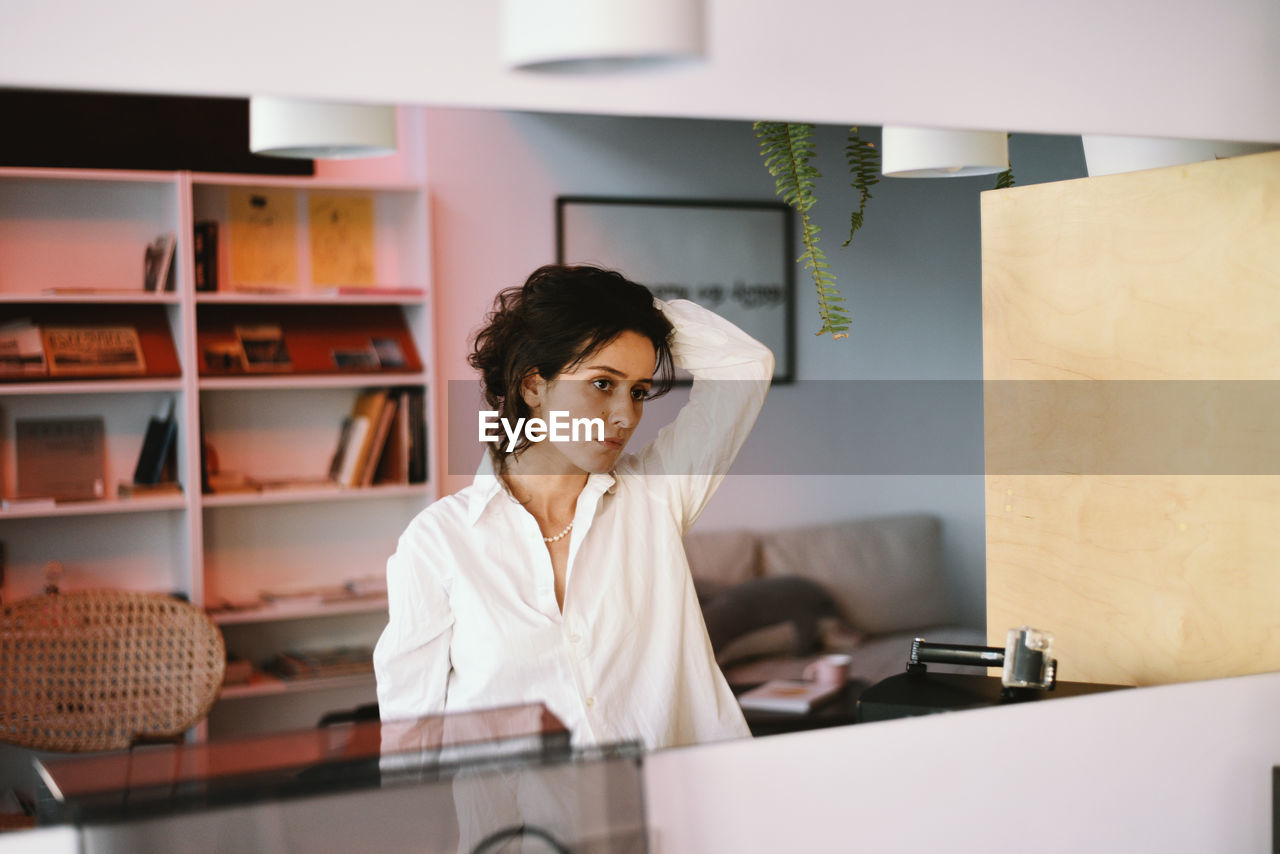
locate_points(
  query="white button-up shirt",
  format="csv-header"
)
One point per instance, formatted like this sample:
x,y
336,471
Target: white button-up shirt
x,y
473,615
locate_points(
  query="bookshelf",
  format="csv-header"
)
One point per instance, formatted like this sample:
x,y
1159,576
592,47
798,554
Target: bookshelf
x,y
72,247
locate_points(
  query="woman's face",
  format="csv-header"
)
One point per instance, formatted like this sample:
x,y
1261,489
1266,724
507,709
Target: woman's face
x,y
610,384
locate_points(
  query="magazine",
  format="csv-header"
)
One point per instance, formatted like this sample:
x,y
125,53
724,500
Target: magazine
x,y
21,351
93,350
788,695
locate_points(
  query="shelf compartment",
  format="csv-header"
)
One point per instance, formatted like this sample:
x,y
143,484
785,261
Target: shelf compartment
x,y
309,340
150,322
399,231
81,228
252,550
130,551
125,418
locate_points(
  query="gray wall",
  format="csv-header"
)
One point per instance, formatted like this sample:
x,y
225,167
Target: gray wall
x,y
838,443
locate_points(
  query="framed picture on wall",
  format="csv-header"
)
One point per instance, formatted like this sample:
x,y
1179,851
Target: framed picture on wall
x,y
735,258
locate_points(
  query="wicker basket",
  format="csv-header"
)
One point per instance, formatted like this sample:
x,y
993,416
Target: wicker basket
x,y
101,670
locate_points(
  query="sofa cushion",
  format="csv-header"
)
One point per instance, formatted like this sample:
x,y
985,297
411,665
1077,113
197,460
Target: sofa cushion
x,y
885,573
765,602
768,642
720,559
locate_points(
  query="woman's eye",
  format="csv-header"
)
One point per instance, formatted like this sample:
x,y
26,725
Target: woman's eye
x,y
603,384
639,394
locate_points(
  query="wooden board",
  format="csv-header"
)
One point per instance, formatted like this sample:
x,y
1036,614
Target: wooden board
x,y
1144,535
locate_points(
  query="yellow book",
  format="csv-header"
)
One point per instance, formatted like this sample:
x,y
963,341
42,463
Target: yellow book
x,y
341,239
264,239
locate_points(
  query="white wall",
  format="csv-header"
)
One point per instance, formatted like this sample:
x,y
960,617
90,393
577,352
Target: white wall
x,y
1143,67
825,448
1179,769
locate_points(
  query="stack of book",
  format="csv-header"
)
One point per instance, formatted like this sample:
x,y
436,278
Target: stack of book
x,y
382,440
321,663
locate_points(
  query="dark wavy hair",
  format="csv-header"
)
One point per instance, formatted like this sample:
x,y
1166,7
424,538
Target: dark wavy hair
x,y
558,317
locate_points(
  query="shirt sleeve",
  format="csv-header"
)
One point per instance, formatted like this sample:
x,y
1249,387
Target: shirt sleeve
x,y
411,659
731,375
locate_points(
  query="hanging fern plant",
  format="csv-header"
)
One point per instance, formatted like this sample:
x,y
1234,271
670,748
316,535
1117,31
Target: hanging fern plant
x,y
787,148
1005,179
864,164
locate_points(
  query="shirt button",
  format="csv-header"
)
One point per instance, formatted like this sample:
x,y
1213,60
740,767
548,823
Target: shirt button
x,y
575,638
591,701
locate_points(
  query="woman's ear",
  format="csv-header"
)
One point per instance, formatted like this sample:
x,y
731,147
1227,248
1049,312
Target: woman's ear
x,y
532,389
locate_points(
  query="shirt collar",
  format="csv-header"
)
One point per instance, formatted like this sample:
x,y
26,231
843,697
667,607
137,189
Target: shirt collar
x,y
486,487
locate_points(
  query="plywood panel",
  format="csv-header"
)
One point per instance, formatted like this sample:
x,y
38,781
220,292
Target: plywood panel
x,y
1133,490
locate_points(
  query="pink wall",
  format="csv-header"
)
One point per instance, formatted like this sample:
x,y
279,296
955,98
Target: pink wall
x,y
492,222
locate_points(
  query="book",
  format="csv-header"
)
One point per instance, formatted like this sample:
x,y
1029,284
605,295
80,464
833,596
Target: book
x,y
21,350
93,350
381,433
394,465
341,238
368,406
157,448
293,484
158,269
417,436
343,466
787,695
263,239
222,357
263,348
204,244
61,458
148,490
321,663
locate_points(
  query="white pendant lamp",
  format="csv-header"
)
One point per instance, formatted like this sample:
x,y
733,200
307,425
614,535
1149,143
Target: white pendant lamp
x,y
925,153
593,35
291,127
1108,155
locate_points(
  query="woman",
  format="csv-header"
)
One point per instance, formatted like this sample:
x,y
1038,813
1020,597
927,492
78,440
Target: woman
x,y
559,575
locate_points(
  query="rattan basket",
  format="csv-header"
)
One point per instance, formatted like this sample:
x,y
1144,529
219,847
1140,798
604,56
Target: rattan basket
x,y
101,670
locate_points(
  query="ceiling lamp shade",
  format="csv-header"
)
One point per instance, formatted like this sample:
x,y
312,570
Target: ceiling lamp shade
x,y
595,35
1109,155
925,153
289,127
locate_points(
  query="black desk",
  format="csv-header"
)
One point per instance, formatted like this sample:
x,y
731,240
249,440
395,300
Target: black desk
x,y
907,695
835,711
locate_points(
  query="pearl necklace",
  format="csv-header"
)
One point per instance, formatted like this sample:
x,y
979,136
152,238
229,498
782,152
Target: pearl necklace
x,y
558,536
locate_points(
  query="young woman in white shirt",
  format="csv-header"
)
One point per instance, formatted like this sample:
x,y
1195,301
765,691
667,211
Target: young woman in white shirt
x,y
559,575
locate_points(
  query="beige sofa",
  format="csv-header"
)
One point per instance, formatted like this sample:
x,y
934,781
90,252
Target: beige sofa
x,y
775,600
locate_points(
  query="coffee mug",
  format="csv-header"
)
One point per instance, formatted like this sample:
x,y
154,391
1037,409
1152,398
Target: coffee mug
x,y
829,669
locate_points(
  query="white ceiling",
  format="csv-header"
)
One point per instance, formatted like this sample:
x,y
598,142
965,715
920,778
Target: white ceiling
x,y
1189,68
